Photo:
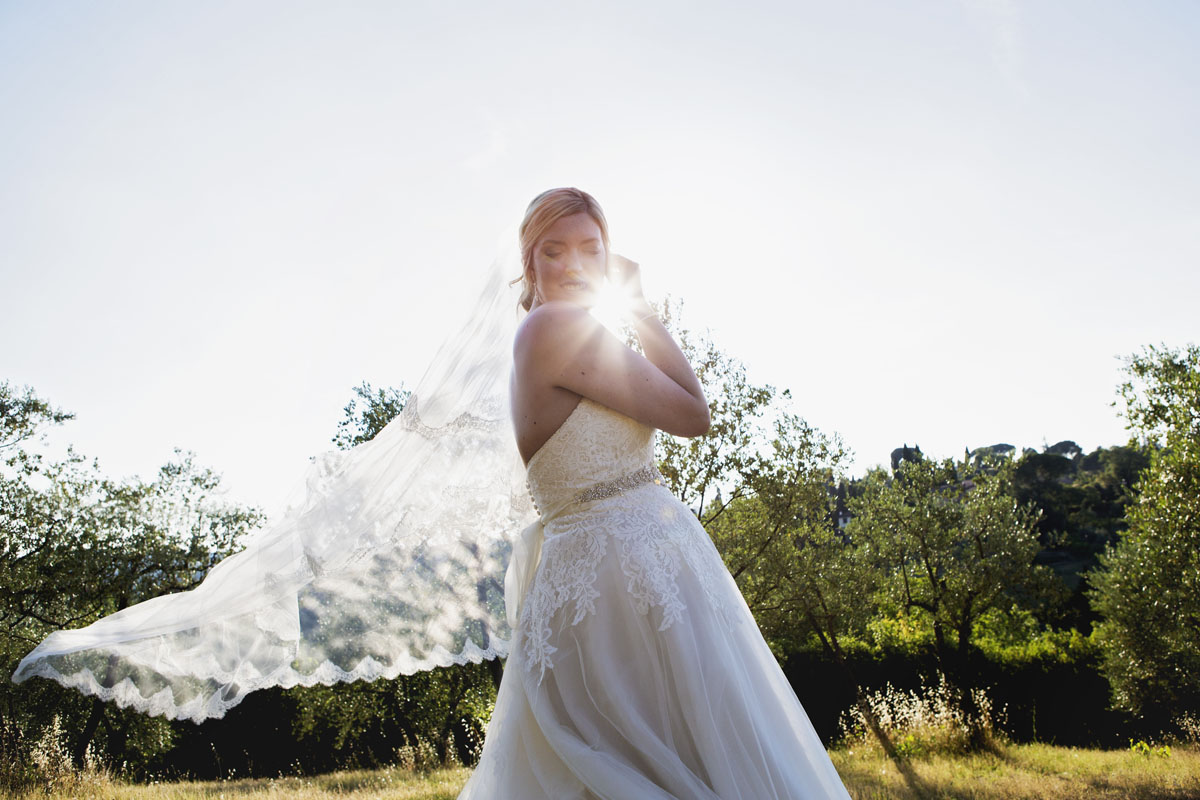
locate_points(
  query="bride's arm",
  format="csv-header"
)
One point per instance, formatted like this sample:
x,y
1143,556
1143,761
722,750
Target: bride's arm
x,y
662,351
562,345
657,344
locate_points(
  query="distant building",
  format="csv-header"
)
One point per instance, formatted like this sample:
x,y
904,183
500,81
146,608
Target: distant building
x,y
906,453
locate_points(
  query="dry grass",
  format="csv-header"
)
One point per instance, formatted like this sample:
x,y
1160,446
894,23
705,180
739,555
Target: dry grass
x,y
384,784
928,721
1012,772
1027,771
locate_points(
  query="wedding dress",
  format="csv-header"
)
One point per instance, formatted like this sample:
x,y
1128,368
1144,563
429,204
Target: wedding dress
x,y
636,669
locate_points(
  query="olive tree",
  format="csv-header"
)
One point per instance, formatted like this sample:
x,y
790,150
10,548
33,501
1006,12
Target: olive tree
x,y
1147,589
76,545
953,544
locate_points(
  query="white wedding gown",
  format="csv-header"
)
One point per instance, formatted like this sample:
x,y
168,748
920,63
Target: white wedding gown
x,y
637,671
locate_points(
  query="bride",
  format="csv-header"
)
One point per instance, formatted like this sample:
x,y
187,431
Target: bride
x,y
637,671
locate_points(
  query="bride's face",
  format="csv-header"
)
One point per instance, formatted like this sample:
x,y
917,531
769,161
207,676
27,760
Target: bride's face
x,y
569,261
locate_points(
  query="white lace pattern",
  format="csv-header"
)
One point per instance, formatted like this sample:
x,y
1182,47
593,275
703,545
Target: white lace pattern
x,y
593,455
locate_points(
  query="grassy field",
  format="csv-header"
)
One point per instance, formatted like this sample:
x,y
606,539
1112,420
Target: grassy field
x,y
1027,771
1015,771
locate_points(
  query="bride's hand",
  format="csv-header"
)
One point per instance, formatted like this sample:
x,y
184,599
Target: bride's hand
x,y
626,275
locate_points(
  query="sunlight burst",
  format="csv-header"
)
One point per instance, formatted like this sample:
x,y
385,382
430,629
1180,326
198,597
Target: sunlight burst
x,y
611,305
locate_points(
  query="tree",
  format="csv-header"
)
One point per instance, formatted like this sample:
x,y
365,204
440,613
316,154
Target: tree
x,y
1083,500
1148,586
368,412
954,544
76,546
702,468
776,534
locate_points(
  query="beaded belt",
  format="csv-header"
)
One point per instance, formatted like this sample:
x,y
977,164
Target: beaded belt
x,y
647,474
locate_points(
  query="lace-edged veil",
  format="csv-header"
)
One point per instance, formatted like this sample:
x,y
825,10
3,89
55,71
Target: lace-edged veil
x,y
393,562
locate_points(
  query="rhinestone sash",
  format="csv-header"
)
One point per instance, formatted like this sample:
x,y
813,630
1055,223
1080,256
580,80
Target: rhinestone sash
x,y
647,474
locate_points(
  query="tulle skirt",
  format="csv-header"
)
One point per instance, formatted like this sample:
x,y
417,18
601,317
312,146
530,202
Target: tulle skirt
x,y
696,709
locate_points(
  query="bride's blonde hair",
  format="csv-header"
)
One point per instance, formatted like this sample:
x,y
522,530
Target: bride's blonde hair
x,y
545,210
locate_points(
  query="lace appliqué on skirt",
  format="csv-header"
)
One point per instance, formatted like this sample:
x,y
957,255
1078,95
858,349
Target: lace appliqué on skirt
x,y
656,537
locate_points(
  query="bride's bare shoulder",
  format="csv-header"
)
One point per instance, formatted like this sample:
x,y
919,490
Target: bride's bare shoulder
x,y
551,326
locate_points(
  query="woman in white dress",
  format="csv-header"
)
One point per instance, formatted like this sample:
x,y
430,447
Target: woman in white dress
x,y
636,669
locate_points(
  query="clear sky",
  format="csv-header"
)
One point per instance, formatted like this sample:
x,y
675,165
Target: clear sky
x,y
938,222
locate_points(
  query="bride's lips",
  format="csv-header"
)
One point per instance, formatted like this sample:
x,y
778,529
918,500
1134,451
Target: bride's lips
x,y
577,285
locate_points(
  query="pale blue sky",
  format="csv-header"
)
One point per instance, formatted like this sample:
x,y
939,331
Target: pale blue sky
x,y
938,222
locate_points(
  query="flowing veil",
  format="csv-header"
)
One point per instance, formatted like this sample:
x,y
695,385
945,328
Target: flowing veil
x,y
393,562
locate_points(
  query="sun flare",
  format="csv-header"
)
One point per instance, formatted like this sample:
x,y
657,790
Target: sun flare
x,y
611,305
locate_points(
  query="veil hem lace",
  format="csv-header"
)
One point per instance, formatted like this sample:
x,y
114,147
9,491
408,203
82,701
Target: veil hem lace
x,y
162,703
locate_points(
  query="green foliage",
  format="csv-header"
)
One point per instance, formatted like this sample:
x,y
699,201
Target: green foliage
x,y
1083,499
366,724
1010,636
761,483
23,413
75,546
953,544
898,632
1148,587
707,472
368,412
777,540
1015,637
1143,748
1052,691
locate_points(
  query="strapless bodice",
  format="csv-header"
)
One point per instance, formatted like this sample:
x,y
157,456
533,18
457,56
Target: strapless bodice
x,y
595,453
